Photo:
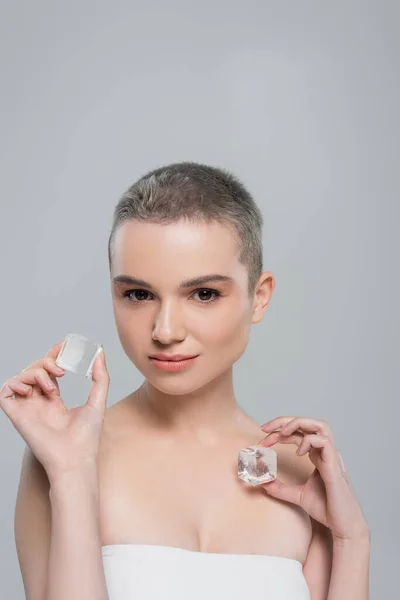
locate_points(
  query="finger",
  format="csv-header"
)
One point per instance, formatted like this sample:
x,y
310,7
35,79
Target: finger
x,y
101,382
50,364
311,441
40,377
54,350
276,423
322,442
49,357
326,461
307,424
276,437
269,439
8,401
50,372
17,387
296,423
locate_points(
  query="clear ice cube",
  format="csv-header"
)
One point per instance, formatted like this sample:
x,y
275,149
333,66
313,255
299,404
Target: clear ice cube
x,y
257,464
78,354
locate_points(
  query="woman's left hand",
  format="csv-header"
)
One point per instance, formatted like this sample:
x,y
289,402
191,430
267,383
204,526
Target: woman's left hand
x,y
327,495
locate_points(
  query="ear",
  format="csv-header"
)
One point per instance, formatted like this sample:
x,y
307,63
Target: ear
x,y
262,295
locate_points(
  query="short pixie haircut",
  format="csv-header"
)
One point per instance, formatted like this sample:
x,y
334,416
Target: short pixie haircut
x,y
196,193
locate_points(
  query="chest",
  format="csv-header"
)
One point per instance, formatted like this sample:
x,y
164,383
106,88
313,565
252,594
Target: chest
x,y
192,498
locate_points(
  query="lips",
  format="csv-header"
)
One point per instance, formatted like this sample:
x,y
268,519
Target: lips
x,y
174,358
172,365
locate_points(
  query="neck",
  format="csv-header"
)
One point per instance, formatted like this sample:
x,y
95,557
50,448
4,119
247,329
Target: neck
x,y
207,413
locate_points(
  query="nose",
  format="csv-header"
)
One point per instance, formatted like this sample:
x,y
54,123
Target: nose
x,y
168,327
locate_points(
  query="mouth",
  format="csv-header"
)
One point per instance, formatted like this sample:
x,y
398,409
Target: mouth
x,y
172,365
173,358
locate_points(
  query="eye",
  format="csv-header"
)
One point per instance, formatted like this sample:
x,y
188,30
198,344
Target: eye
x,y
129,292
141,292
208,291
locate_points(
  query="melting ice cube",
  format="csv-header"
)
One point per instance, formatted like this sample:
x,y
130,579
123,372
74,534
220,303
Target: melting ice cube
x,y
78,354
257,464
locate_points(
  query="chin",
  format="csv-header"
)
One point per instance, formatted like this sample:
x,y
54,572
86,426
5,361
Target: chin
x,y
174,388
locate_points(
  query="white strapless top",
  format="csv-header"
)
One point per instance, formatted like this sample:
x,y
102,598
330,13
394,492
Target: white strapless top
x,y
152,572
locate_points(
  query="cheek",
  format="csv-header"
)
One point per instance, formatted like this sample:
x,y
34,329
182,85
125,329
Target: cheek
x,y
231,330
133,333
226,343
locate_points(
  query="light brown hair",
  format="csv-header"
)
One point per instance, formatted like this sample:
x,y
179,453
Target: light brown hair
x,y
196,193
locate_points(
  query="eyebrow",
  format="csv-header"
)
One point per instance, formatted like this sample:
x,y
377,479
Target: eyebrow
x,y
186,283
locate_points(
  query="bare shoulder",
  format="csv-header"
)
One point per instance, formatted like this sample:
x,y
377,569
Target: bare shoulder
x,y
121,424
112,431
116,417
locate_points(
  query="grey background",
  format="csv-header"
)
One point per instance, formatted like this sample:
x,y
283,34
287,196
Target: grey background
x,y
300,100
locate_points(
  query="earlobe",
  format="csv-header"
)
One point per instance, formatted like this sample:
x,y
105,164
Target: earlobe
x,y
257,314
260,306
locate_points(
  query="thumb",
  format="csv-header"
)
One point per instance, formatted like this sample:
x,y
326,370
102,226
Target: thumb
x,y
283,491
101,382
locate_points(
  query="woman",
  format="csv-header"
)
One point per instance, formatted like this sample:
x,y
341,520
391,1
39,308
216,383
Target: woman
x,y
142,500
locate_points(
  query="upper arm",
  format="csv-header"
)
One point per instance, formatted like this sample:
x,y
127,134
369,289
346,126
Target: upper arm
x,y
32,526
318,565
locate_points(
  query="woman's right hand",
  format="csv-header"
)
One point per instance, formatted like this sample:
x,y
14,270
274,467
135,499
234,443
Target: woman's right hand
x,y
62,439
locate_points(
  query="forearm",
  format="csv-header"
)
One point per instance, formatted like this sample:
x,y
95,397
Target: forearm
x,y
350,570
75,563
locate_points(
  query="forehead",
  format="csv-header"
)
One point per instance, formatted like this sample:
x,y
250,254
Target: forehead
x,y
186,248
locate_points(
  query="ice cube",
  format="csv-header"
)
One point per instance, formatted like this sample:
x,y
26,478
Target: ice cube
x,y
78,354
257,464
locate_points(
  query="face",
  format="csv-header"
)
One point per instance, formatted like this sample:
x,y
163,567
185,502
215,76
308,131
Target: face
x,y
210,320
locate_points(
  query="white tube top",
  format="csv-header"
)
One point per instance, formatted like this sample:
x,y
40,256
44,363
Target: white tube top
x,y
152,572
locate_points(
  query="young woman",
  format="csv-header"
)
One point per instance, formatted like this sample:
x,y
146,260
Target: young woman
x,y
142,500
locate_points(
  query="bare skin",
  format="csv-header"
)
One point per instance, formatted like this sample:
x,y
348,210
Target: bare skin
x,y
168,453
186,493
